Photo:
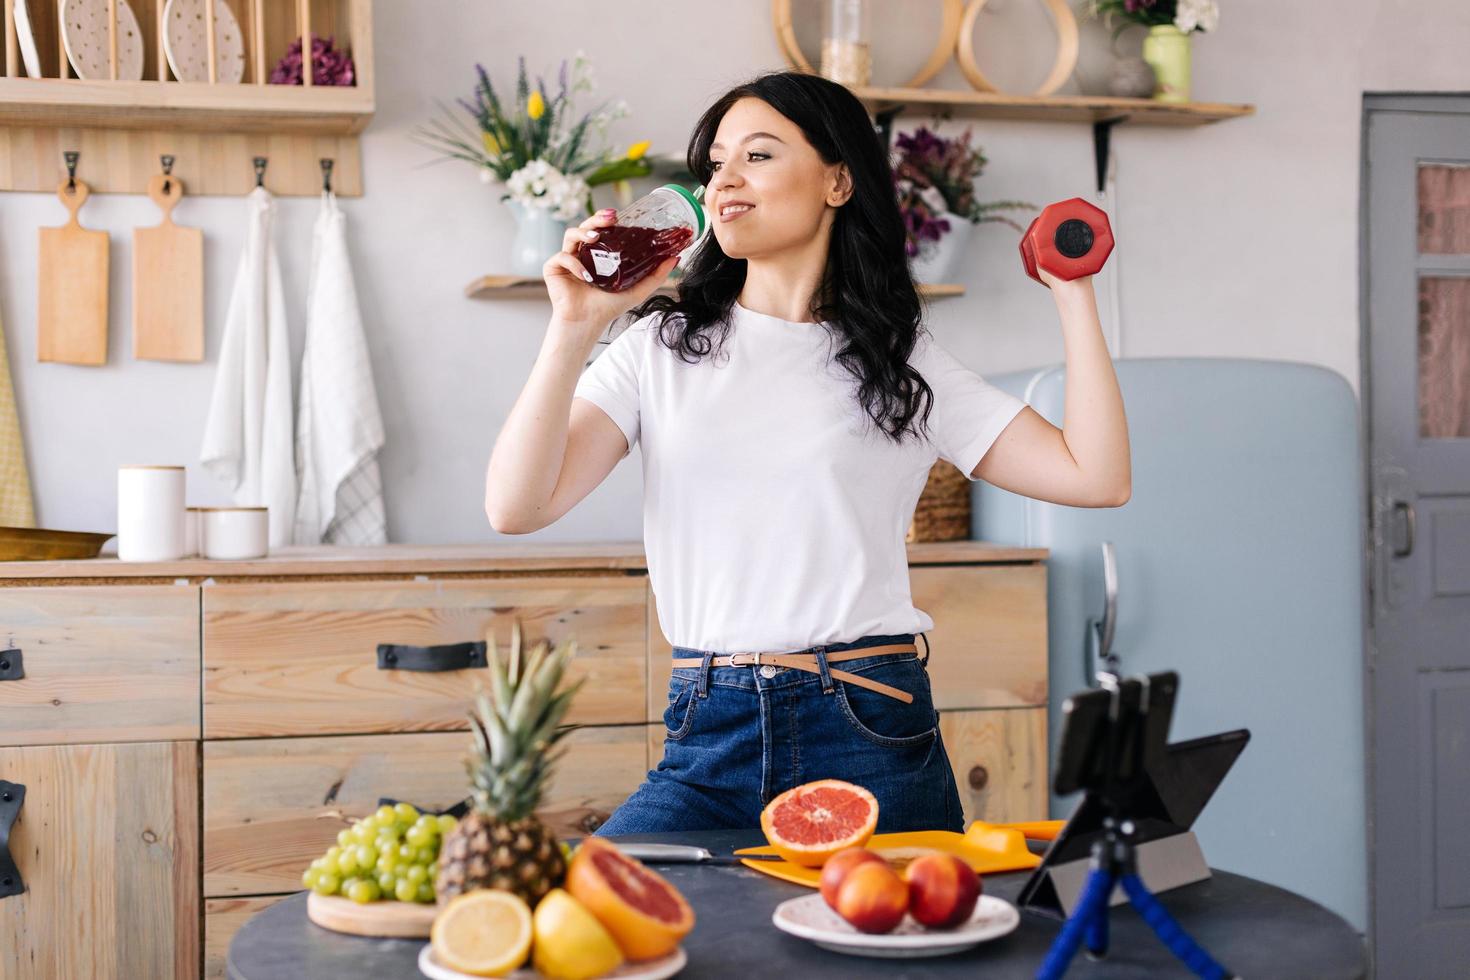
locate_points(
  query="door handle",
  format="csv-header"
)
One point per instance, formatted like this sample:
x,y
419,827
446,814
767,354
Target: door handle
x,y
12,795
1407,509
1098,657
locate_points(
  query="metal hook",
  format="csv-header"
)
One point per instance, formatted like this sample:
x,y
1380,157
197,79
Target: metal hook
x,y
260,163
327,164
168,168
71,156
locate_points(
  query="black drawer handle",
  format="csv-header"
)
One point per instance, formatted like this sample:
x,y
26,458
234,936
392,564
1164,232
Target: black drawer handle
x,y
12,795
12,665
450,656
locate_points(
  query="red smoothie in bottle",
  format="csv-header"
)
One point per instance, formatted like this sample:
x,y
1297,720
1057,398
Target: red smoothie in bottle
x,y
622,256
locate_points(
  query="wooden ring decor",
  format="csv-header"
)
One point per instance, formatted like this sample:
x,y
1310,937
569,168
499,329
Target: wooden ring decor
x,y
1061,69
944,49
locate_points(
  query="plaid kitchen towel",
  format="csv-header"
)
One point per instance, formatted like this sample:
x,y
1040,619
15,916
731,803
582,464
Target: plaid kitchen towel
x,y
339,429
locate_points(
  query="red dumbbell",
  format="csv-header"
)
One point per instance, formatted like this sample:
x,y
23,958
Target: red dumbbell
x,y
1069,239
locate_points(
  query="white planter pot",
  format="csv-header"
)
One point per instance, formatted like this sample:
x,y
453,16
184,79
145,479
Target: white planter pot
x,y
538,238
937,261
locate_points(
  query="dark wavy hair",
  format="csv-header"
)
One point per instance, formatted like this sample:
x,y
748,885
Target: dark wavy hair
x,y
867,293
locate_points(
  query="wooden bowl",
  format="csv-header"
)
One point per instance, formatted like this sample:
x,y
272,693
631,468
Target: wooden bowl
x,y
39,544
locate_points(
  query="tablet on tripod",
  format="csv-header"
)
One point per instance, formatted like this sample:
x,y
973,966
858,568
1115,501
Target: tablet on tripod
x,y
1114,748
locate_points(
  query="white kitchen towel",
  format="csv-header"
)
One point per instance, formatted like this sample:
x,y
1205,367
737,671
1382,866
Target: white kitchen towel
x,y
248,436
339,429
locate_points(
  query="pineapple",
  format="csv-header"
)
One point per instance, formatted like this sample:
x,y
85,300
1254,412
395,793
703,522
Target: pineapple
x,y
517,727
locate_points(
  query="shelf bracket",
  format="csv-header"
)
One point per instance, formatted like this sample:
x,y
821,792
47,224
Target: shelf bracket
x,y
884,122
1102,132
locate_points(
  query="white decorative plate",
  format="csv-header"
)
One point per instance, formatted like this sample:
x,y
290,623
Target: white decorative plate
x,y
27,39
186,43
85,35
810,918
664,966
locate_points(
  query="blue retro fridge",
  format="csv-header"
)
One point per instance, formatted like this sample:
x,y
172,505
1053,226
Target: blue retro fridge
x,y
1240,564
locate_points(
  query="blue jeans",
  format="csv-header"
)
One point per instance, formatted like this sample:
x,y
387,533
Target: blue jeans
x,y
736,737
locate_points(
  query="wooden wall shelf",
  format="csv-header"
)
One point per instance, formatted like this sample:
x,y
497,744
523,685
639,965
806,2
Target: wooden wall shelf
x,y
319,110
212,128
524,287
1052,108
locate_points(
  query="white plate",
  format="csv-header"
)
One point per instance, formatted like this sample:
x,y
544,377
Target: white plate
x,y
27,39
810,918
664,966
84,33
186,44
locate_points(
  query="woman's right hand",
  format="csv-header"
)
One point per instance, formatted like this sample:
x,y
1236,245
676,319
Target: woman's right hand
x,y
575,301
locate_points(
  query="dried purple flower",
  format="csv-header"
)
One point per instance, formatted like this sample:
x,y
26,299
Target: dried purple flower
x,y
329,66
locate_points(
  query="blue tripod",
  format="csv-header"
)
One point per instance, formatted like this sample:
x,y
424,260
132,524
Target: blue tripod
x,y
1113,862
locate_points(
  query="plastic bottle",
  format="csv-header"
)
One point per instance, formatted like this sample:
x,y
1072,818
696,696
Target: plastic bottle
x,y
658,225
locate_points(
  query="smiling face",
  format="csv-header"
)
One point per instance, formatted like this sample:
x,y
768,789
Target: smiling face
x,y
761,159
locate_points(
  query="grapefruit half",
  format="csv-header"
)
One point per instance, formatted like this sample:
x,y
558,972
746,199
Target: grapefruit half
x,y
808,824
645,914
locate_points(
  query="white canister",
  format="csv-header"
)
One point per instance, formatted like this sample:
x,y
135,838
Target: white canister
x,y
191,532
234,533
150,513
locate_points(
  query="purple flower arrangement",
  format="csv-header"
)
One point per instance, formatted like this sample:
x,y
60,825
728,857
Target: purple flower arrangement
x,y
329,66
935,176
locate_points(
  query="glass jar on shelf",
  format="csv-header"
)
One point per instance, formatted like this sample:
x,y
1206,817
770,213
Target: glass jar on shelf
x,y
846,55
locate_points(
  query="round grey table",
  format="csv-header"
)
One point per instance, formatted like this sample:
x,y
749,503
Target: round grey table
x,y
1252,928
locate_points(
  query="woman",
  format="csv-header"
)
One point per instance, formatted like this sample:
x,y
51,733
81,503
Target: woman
x,y
790,408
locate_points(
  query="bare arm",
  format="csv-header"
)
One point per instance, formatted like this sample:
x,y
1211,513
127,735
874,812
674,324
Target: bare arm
x,y
553,449
1087,463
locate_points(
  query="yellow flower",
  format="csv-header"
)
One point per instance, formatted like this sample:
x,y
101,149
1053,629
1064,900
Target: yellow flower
x,y
637,149
491,146
536,105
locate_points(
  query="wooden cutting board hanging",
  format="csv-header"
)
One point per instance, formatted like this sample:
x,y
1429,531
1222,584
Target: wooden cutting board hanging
x,y
72,305
168,281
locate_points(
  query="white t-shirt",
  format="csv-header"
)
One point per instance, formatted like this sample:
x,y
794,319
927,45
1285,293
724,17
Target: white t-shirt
x,y
773,519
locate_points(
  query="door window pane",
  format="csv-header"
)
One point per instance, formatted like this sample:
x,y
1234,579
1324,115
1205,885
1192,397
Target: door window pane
x,y
1444,357
1444,209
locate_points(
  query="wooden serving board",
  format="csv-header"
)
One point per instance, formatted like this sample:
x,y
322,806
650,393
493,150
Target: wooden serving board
x,y
168,282
72,304
395,920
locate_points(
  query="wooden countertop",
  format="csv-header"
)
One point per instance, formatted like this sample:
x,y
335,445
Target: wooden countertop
x,y
405,559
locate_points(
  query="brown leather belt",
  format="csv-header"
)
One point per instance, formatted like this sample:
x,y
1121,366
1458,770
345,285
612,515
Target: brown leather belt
x,y
808,663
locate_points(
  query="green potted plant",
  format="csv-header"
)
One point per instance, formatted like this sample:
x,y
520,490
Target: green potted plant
x,y
1166,48
547,156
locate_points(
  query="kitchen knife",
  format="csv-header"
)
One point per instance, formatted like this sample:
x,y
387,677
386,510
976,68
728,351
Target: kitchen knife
x,y
682,854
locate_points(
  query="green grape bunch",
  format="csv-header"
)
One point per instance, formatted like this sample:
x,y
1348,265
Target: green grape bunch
x,y
390,854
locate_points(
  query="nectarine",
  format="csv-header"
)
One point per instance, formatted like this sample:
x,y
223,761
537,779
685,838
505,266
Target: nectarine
x,y
943,890
837,867
872,897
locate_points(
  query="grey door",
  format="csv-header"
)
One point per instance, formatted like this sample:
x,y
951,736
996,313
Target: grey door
x,y
1416,251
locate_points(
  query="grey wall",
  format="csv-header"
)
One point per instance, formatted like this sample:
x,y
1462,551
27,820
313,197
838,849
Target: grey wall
x,y
1237,239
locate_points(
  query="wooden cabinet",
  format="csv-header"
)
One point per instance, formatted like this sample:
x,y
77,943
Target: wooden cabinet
x,y
247,702
302,658
107,844
100,664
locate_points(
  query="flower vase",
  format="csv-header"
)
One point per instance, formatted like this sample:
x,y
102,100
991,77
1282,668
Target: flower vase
x,y
1166,49
936,261
538,237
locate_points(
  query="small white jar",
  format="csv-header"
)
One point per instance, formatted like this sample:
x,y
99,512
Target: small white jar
x,y
234,533
150,513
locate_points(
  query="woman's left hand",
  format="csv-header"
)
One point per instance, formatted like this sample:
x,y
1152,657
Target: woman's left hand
x,y
1055,284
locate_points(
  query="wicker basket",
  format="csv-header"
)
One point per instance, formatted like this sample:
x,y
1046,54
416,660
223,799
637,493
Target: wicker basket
x,y
943,512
